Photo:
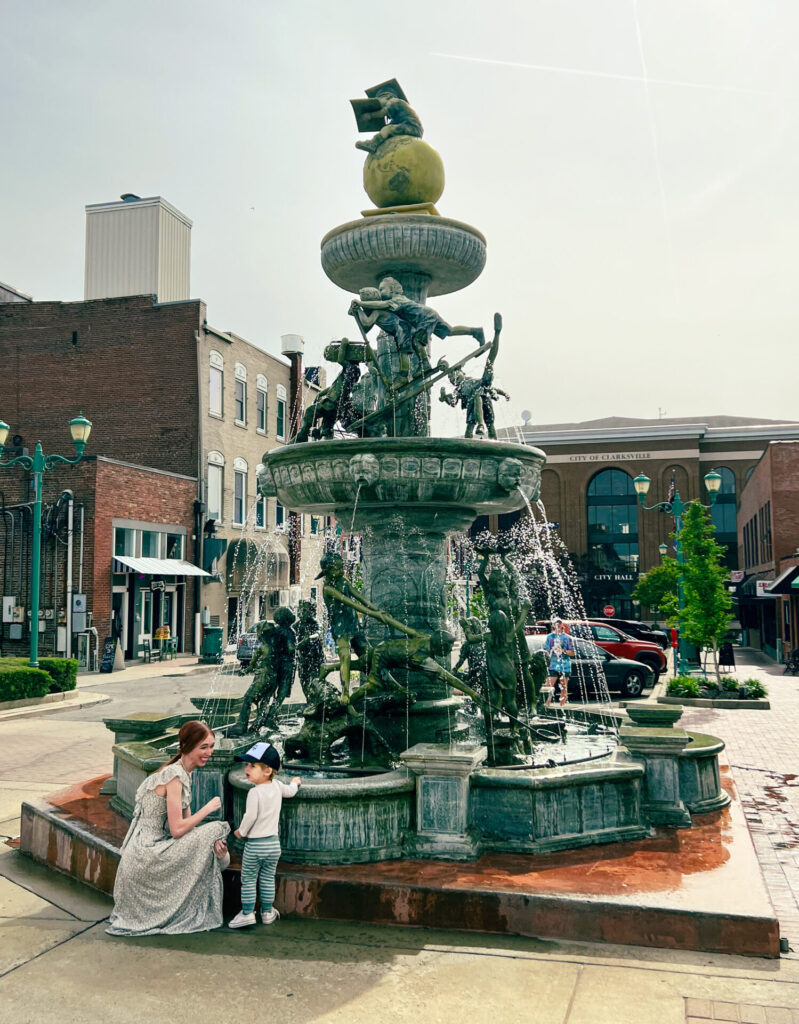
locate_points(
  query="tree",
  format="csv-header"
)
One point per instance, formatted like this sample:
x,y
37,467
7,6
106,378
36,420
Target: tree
x,y
659,589
707,612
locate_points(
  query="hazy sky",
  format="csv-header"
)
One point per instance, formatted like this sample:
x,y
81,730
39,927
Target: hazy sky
x,y
632,165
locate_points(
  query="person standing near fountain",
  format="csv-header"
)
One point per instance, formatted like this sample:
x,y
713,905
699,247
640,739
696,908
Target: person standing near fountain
x,y
561,650
169,879
259,827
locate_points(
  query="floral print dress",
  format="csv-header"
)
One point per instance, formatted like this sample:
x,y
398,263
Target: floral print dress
x,y
167,886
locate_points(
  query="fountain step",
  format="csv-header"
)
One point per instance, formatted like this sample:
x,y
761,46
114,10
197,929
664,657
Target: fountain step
x,y
670,891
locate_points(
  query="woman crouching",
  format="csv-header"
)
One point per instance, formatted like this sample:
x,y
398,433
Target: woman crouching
x,y
169,879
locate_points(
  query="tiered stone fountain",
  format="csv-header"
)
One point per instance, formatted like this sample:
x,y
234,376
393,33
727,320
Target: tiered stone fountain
x,y
383,476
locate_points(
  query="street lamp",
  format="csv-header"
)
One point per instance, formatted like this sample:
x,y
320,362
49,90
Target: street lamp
x,y
663,549
79,429
675,507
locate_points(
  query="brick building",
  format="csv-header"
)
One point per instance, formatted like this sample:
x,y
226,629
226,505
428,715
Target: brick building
x,y
93,511
165,392
587,489
768,543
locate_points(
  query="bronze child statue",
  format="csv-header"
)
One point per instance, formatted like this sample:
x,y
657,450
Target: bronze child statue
x,y
273,666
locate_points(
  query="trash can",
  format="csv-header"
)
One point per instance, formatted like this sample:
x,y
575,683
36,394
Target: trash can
x,y
211,649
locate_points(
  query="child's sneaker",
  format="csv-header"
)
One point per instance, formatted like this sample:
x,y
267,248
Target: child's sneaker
x,y
270,916
242,920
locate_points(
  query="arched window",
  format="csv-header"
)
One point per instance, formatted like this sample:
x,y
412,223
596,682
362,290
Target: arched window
x,y
724,516
239,491
261,388
240,397
282,396
215,381
216,480
612,513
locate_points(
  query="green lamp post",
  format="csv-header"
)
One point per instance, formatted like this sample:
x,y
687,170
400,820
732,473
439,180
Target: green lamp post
x,y
79,428
676,507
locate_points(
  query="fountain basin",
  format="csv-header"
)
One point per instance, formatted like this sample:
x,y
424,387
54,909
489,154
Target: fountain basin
x,y
469,476
446,255
700,781
340,820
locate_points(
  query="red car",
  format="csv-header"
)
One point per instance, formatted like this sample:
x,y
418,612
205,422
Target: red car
x,y
612,640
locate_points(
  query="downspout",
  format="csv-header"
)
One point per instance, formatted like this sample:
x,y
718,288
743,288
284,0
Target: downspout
x,y
70,524
199,506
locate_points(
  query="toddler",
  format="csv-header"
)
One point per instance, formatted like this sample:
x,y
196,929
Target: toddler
x,y
259,827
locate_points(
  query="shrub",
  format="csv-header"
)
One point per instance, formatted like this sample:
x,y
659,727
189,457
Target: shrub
x,y
755,688
20,683
729,685
684,686
63,672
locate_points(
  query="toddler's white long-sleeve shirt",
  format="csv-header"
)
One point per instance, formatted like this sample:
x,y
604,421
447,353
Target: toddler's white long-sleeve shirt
x,y
262,813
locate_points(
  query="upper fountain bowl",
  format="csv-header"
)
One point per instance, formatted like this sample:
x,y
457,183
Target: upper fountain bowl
x,y
445,254
476,476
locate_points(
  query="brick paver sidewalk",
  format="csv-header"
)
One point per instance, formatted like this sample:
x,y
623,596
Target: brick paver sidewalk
x,y
763,756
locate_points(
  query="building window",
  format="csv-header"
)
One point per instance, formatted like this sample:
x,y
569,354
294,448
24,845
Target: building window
x,y
260,403
612,570
239,492
260,512
215,383
174,545
316,524
240,403
150,544
280,515
216,463
124,541
281,412
724,518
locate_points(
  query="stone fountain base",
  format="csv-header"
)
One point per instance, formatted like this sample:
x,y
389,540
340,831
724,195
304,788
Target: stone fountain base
x,y
670,890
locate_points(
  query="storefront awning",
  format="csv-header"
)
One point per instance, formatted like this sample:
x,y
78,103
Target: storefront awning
x,y
157,566
749,587
787,582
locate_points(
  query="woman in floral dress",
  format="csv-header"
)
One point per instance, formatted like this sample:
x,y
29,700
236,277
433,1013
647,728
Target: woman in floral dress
x,y
169,879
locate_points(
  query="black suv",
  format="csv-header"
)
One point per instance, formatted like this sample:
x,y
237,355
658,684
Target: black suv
x,y
638,630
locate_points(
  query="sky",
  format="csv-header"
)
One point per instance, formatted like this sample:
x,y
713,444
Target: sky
x,y
633,166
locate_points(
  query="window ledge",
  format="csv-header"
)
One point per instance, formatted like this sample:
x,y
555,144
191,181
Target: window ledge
x,y
216,415
259,430
239,423
280,437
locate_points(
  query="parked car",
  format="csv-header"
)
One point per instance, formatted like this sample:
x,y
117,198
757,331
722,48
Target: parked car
x,y
638,630
246,646
623,675
614,641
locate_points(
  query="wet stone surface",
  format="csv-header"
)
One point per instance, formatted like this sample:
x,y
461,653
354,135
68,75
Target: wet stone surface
x,y
762,752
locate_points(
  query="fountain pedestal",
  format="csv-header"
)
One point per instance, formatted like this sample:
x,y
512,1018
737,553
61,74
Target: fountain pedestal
x,y
443,823
659,750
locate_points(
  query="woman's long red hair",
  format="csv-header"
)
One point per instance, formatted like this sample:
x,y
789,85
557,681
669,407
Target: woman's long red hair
x,y
190,736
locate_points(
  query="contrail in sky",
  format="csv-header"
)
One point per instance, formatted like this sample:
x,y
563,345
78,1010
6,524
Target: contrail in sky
x,y
616,77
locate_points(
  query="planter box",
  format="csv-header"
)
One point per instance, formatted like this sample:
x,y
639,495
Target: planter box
x,y
757,704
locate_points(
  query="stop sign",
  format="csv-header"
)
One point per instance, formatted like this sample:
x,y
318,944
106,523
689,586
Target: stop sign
x,y
609,611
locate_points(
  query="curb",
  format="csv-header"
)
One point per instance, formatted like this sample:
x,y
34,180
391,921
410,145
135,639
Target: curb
x,y
50,707
758,704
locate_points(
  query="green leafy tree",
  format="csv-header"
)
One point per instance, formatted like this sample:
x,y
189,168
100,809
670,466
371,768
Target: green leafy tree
x,y
707,611
659,588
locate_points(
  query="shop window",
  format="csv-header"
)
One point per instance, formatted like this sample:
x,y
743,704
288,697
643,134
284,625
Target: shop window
x,y
150,544
124,541
174,545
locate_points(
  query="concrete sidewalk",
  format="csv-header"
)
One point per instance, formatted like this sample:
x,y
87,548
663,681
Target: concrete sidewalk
x,y
183,664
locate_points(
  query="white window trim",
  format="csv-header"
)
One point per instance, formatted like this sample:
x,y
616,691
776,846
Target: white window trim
x,y
217,362
239,471
240,371
282,393
216,458
215,359
281,436
261,382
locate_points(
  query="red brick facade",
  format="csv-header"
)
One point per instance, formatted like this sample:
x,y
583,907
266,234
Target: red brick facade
x,y
128,364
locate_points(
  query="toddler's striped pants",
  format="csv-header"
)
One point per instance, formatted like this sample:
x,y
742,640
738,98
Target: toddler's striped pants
x,y
258,866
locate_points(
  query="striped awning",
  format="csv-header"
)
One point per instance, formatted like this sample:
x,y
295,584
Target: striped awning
x,y
157,566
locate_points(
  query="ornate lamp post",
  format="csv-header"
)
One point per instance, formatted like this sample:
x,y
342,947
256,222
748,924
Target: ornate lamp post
x,y
79,428
676,507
